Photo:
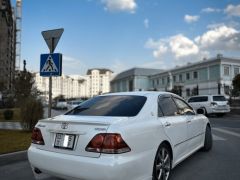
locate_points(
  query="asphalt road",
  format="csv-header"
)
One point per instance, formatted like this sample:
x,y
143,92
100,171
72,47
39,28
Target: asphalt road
x,y
221,163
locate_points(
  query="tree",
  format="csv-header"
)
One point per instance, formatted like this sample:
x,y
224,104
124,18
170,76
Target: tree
x,y
236,85
31,112
27,99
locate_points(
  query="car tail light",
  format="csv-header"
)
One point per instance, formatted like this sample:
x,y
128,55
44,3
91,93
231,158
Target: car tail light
x,y
213,103
109,143
37,137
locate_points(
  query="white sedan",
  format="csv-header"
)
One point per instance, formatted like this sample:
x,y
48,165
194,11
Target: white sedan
x,y
118,136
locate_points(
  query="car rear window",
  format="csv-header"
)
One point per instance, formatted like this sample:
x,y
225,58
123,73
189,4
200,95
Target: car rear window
x,y
219,98
198,99
116,105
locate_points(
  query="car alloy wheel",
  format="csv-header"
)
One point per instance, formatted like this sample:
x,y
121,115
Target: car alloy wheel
x,y
162,165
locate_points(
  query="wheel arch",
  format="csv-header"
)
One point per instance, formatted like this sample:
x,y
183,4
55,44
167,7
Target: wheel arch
x,y
166,143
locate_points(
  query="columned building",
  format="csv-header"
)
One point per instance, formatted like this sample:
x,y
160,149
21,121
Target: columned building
x,y
205,77
209,76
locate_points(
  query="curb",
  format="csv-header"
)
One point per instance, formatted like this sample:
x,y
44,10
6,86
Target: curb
x,y
13,157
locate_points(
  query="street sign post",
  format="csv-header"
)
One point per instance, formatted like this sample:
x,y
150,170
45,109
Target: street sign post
x,y
51,64
52,38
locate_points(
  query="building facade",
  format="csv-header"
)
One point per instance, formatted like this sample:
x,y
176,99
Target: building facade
x,y
73,86
7,45
209,76
135,79
98,81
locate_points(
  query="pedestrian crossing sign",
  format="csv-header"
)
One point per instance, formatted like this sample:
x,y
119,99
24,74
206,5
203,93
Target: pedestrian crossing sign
x,y
51,64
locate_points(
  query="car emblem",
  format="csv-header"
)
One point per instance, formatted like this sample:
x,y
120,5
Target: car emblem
x,y
64,125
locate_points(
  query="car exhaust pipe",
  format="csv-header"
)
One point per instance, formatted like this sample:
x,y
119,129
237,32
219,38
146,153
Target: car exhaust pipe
x,y
37,171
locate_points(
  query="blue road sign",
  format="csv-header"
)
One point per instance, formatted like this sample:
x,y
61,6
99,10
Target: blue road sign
x,y
51,64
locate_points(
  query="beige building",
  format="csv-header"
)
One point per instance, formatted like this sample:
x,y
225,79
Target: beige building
x,y
74,86
7,45
97,81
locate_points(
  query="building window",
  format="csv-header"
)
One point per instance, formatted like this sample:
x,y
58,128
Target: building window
x,y
174,78
163,82
195,75
188,76
226,70
236,71
168,79
180,78
157,81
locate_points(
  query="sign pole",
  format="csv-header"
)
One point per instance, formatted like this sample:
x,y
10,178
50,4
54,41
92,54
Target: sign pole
x,y
50,84
51,37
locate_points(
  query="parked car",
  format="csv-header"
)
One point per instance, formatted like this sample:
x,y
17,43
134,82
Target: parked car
x,y
73,104
61,104
130,135
211,104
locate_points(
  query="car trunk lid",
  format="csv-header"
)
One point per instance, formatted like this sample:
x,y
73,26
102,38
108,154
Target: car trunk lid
x,y
70,134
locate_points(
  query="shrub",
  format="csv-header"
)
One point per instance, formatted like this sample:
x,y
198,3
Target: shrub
x,y
8,114
31,112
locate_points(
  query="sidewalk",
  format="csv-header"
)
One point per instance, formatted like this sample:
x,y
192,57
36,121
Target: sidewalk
x,y
10,125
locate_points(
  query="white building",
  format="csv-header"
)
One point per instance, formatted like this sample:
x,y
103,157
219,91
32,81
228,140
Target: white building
x,y
97,81
73,86
205,77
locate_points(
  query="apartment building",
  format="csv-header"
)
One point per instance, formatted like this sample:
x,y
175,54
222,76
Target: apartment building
x,y
72,86
7,45
98,81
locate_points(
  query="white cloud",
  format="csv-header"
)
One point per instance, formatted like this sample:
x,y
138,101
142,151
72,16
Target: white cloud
x,y
146,23
191,19
232,10
220,38
179,46
211,10
179,49
120,5
182,46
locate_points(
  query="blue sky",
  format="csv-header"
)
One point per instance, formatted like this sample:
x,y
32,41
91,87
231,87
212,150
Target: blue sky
x,y
120,34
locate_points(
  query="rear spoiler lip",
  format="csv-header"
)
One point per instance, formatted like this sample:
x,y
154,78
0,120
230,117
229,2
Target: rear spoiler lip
x,y
98,123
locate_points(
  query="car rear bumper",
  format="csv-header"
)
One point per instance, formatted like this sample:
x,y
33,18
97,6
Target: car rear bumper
x,y
220,110
77,167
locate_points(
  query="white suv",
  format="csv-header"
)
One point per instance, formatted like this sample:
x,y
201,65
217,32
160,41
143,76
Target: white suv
x,y
211,104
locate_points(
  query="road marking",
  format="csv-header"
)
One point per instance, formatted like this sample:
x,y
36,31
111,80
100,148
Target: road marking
x,y
217,138
227,132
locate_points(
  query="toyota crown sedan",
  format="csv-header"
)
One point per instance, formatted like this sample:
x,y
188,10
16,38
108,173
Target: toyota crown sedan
x,y
119,136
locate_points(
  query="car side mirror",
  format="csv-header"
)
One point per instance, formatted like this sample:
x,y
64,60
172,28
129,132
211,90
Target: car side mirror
x,y
200,111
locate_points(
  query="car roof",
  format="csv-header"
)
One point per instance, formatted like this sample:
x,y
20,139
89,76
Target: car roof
x,y
207,95
141,93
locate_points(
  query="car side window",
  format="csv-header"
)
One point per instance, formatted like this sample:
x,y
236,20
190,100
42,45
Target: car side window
x,y
183,107
168,106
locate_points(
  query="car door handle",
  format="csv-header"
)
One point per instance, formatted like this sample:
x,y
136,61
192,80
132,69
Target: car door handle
x,y
188,121
166,124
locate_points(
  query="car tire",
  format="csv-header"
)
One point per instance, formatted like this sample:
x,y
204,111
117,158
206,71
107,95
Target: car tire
x,y
162,164
208,139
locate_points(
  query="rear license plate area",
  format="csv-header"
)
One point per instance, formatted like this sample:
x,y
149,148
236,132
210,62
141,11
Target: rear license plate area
x,y
64,141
